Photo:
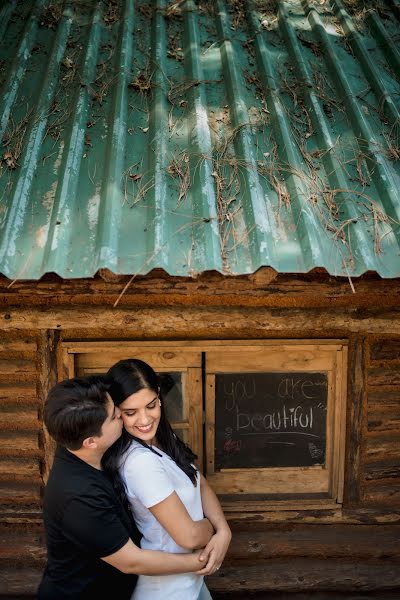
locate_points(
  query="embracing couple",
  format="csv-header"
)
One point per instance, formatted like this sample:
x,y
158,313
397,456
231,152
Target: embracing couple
x,y
124,497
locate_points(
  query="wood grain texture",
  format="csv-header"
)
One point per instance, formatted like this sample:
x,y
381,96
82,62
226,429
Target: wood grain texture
x,y
302,574
218,323
356,408
263,288
382,439
47,346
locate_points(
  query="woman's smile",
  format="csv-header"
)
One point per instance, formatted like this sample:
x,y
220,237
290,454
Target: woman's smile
x,y
144,428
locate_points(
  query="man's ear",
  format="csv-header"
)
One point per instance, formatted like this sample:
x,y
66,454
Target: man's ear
x,y
89,443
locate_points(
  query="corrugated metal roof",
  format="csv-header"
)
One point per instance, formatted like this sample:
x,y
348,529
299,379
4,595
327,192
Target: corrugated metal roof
x,y
199,136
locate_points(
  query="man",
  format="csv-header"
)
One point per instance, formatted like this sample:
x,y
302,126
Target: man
x,y
91,541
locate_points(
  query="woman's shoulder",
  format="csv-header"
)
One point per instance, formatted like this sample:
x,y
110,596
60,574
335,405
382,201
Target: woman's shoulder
x,y
140,457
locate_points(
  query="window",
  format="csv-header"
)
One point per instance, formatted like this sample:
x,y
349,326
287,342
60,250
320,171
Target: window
x,y
266,418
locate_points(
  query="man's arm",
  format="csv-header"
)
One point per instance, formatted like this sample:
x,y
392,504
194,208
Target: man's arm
x,y
131,559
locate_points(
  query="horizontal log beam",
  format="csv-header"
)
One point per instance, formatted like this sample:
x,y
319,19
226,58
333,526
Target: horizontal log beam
x,y
311,575
219,323
357,542
264,288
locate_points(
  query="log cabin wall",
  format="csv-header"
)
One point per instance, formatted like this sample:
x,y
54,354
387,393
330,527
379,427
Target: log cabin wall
x,y
353,550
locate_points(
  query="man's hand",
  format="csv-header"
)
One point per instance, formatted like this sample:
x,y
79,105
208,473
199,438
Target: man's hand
x,y
214,552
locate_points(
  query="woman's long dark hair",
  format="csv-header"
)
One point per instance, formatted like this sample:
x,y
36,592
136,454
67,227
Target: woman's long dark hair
x,y
125,378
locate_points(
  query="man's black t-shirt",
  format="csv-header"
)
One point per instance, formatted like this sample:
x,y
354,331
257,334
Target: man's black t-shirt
x,y
84,521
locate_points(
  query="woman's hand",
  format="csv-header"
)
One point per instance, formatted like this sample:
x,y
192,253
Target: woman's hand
x,y
214,552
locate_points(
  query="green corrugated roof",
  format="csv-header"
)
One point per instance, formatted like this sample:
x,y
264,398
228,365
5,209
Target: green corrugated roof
x,y
198,136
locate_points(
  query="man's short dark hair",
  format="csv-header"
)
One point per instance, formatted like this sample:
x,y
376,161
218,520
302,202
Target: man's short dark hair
x,y
76,409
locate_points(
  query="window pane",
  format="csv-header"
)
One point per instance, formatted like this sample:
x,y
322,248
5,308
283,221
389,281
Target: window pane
x,y
171,392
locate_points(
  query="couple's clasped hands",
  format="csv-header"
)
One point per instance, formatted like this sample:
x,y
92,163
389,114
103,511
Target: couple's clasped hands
x,y
213,554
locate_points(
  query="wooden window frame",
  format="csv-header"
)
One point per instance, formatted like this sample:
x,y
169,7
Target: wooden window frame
x,y
246,490
321,486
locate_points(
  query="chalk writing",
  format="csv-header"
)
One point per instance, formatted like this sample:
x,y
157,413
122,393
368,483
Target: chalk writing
x,y
270,419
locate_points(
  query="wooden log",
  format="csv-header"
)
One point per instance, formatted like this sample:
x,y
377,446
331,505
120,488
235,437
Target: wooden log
x,y
17,515
383,469
18,394
384,398
379,376
19,581
265,286
362,515
351,542
384,350
357,393
17,367
19,420
20,348
48,341
384,492
19,493
311,575
228,595
22,547
382,447
23,444
220,322
384,420
20,469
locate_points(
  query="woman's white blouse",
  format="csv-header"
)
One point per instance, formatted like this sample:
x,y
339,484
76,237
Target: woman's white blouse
x,y
149,479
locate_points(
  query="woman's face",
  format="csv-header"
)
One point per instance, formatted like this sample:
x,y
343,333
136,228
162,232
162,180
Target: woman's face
x,y
141,414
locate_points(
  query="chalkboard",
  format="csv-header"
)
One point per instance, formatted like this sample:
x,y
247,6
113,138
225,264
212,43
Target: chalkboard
x,y
270,420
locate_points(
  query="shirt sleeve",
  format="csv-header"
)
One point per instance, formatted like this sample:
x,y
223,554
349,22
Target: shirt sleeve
x,y
146,478
92,523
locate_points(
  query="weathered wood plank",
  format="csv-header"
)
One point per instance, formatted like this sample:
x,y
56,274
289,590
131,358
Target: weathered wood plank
x,y
17,515
20,469
388,420
228,595
300,575
19,420
19,580
385,350
357,393
383,376
23,444
19,493
389,467
21,546
47,342
265,286
219,322
381,493
18,394
364,515
384,398
382,447
17,367
17,349
355,542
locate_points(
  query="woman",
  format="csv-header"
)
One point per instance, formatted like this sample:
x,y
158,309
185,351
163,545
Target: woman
x,y
173,506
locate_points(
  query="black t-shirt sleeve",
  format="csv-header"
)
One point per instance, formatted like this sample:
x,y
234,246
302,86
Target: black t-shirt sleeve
x,y
91,522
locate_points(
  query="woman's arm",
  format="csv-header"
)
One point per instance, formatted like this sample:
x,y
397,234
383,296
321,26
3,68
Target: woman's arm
x,y
217,547
171,513
147,480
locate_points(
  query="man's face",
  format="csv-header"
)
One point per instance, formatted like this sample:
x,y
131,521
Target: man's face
x,y
112,427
